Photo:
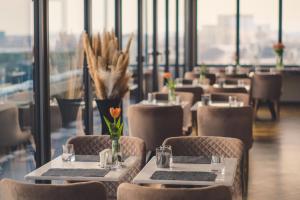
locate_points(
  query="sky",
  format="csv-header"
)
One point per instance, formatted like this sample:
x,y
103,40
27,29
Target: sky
x,y
16,15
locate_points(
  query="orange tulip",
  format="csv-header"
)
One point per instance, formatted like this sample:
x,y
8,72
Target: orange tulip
x,y
167,75
115,112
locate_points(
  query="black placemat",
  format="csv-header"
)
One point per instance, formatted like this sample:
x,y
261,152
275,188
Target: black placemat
x,y
192,159
87,158
184,176
76,172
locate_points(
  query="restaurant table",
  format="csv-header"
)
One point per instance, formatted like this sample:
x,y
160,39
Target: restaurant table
x,y
84,164
215,104
186,106
144,177
247,87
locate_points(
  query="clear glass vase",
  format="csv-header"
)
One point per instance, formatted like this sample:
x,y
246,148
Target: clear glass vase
x,y
279,62
116,152
171,95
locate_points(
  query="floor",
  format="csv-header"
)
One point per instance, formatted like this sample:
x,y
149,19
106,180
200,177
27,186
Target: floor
x,y
274,158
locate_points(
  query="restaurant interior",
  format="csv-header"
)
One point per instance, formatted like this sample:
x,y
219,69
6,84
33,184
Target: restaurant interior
x,y
149,100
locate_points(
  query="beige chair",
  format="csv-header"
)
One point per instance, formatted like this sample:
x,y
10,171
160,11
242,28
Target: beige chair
x,y
135,192
11,134
13,190
187,114
208,146
196,91
243,97
130,146
234,122
267,87
154,123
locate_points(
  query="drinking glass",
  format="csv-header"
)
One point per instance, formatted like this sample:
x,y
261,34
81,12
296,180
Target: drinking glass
x,y
205,99
150,97
68,153
217,164
233,102
241,83
179,81
164,156
178,100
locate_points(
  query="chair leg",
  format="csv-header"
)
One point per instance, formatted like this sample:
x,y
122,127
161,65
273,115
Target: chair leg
x,y
245,173
271,105
277,107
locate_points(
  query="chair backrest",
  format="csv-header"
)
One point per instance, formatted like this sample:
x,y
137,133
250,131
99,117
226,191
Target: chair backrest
x,y
266,86
234,122
187,82
207,146
196,91
9,123
243,97
93,144
13,190
154,123
128,191
228,90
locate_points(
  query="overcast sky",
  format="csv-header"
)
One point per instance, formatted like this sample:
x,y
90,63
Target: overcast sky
x,y
16,15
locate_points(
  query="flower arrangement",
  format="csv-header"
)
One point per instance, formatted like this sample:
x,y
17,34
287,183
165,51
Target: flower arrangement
x,y
203,71
115,128
107,65
170,83
279,50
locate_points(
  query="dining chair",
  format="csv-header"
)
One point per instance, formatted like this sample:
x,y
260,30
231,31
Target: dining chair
x,y
153,123
128,191
267,87
11,134
14,190
187,114
243,97
208,146
233,122
130,146
227,90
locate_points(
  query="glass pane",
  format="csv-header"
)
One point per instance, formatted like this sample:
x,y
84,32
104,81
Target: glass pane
x,y
148,32
103,15
291,32
16,89
161,31
258,31
66,62
216,31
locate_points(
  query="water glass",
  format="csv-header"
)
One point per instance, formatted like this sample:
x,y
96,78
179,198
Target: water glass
x,y
233,102
178,100
205,99
241,83
164,156
68,154
195,82
179,81
217,164
150,97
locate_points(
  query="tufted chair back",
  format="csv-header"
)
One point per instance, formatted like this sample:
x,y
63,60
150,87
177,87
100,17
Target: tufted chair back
x,y
207,146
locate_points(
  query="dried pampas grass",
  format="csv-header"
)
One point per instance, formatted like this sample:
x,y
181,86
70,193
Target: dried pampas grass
x,y
107,65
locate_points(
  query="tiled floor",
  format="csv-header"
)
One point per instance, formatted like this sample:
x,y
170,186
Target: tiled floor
x,y
274,158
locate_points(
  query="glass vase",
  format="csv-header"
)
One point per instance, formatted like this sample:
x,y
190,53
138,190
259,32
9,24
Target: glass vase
x,y
279,62
171,95
116,152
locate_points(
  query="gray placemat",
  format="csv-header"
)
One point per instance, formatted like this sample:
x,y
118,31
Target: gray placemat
x,y
192,159
87,158
76,172
183,176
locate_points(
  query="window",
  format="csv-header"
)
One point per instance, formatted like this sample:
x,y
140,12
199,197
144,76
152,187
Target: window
x,y
258,31
291,32
216,22
66,62
16,85
103,15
